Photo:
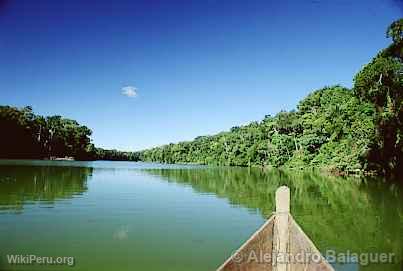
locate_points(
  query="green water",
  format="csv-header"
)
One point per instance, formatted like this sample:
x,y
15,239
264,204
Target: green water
x,y
138,216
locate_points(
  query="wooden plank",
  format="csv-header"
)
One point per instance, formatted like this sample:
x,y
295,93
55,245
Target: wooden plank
x,y
281,229
244,258
302,245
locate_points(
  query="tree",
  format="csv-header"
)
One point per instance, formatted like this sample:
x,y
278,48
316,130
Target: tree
x,y
381,83
395,31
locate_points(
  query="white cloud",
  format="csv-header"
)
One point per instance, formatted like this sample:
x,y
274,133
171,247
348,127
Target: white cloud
x,y
129,91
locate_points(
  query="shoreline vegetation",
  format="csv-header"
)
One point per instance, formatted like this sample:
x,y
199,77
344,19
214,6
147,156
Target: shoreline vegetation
x,y
26,135
343,131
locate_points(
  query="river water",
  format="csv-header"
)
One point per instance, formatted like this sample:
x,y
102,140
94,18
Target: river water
x,y
142,216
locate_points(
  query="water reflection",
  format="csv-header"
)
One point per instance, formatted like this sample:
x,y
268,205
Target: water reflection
x,y
46,184
342,214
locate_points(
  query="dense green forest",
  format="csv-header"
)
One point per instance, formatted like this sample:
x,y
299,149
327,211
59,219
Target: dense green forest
x,y
27,135
115,155
335,128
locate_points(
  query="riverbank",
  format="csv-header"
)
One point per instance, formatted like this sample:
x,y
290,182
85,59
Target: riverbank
x,y
61,158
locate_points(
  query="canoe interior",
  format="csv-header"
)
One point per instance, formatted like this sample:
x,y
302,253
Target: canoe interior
x,y
256,253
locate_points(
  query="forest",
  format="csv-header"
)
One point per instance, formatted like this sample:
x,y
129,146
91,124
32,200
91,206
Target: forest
x,y
25,135
341,130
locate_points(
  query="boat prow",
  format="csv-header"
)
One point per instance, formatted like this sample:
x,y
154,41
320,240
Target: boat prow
x,y
279,245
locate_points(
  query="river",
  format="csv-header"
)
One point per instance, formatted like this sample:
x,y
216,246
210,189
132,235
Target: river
x,y
143,216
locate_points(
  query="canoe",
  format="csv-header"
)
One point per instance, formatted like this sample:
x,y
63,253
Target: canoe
x,y
279,245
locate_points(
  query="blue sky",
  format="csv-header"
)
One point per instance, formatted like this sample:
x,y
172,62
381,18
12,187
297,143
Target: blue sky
x,y
146,73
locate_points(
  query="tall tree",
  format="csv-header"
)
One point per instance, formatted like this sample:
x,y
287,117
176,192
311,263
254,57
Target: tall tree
x,y
381,83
